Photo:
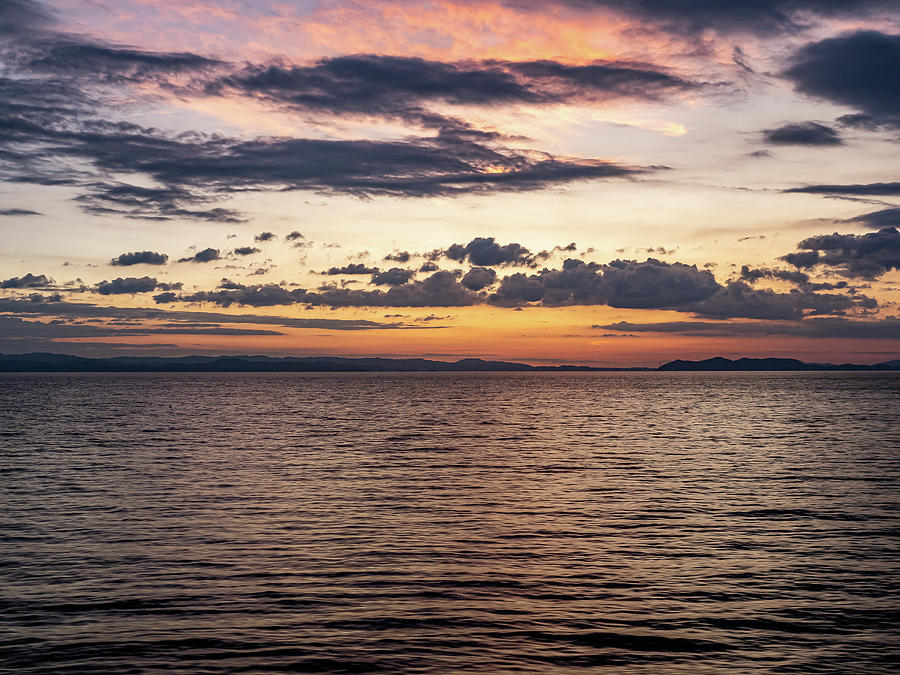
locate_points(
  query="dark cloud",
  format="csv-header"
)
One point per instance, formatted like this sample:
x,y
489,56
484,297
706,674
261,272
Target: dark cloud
x,y
246,250
819,327
599,81
18,17
478,278
429,266
27,281
405,87
738,300
16,327
864,189
71,310
299,241
265,236
486,252
56,91
399,256
865,256
413,168
206,255
238,294
55,85
141,203
753,275
40,297
441,289
19,212
127,285
859,70
396,276
802,133
765,17
878,219
352,268
621,283
657,285
52,130
139,258
64,55
651,284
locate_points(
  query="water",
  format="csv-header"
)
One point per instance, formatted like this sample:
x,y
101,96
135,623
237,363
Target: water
x,y
421,523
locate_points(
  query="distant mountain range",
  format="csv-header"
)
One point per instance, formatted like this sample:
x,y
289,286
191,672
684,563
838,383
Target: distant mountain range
x,y
721,364
45,362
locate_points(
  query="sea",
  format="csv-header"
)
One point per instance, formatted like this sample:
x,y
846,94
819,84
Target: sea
x,y
624,522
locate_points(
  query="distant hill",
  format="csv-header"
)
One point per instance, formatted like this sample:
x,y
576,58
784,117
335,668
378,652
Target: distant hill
x,y
46,362
42,362
722,364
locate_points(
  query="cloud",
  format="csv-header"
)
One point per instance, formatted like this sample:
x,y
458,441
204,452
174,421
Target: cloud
x,y
398,256
141,203
738,300
802,133
206,255
878,219
417,167
19,212
18,17
859,70
441,289
396,276
405,88
27,281
58,89
352,268
763,17
820,327
865,256
864,189
478,278
631,284
658,285
293,236
61,54
246,250
265,236
40,297
620,283
128,285
16,327
486,252
139,258
79,310
753,275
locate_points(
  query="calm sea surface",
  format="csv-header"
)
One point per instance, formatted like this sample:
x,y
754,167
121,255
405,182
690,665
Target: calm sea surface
x,y
422,523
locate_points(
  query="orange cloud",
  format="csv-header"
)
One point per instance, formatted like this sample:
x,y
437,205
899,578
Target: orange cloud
x,y
439,29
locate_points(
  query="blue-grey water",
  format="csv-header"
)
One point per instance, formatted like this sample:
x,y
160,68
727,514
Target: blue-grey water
x,y
449,523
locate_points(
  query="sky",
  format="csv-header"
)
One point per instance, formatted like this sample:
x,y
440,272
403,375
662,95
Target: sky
x,y
599,182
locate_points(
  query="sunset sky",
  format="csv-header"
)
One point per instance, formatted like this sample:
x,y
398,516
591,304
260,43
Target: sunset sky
x,y
600,182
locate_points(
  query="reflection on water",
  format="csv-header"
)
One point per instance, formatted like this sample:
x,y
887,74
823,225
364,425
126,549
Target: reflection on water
x,y
643,522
